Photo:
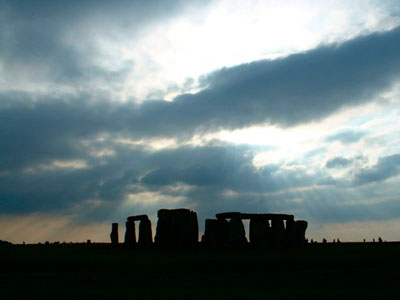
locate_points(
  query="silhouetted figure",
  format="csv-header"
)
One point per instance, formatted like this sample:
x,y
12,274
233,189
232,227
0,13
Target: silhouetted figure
x,y
380,240
130,234
363,240
373,240
114,234
177,228
324,241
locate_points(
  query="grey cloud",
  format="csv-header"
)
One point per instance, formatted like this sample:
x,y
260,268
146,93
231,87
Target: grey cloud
x,y
56,41
338,162
346,137
110,179
288,91
386,167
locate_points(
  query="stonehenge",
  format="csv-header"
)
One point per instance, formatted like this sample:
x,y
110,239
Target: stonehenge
x,y
179,229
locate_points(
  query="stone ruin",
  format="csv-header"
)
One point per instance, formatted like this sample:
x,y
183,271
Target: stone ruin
x,y
265,230
178,229
145,232
114,234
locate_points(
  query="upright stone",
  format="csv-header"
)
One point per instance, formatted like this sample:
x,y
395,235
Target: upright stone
x,y
236,233
301,227
259,228
215,233
130,234
176,228
195,228
290,233
278,231
145,233
114,234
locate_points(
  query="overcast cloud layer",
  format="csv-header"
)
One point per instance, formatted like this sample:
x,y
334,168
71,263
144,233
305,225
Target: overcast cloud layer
x,y
77,152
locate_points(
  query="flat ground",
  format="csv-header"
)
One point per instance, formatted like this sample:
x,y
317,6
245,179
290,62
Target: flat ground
x,y
96,271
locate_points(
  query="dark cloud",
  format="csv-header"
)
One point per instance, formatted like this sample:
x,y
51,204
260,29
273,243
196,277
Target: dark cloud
x,y
57,41
346,137
386,167
288,91
208,171
338,162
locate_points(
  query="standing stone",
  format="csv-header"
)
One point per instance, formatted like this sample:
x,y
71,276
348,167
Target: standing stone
x,y
195,228
301,227
130,234
236,233
114,234
176,228
215,233
259,228
290,233
145,233
278,231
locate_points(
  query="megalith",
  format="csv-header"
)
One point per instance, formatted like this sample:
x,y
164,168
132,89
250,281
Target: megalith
x,y
290,233
177,228
114,234
259,229
145,232
215,233
130,234
236,233
277,231
301,227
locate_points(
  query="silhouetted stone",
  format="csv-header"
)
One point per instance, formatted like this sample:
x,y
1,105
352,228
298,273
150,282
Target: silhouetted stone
x,y
176,228
145,232
277,231
114,234
236,233
259,232
246,216
137,218
215,233
301,227
130,234
290,233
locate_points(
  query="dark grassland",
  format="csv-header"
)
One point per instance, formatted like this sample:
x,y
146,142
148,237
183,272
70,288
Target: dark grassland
x,y
97,271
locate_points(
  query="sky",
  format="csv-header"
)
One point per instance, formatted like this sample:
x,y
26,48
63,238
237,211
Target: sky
x,y
117,108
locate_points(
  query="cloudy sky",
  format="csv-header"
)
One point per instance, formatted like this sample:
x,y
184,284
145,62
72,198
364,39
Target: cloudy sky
x,y
116,108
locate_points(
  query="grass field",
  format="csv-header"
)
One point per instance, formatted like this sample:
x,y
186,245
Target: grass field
x,y
96,271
